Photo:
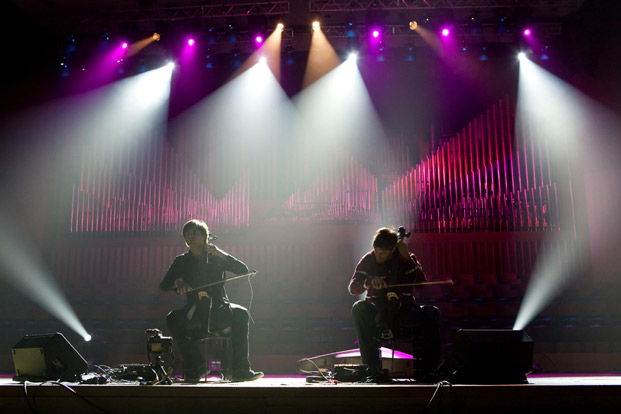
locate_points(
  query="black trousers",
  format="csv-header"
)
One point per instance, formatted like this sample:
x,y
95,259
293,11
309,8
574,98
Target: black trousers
x,y
184,331
421,322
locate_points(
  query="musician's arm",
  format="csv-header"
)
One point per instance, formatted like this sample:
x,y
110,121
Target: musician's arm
x,y
416,271
357,283
172,279
227,261
362,280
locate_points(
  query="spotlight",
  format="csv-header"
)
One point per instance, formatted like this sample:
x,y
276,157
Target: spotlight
x,y
258,39
156,37
262,59
521,56
352,45
375,33
409,52
352,56
474,26
445,32
124,45
316,25
289,48
232,32
413,25
191,42
87,338
483,53
527,32
280,27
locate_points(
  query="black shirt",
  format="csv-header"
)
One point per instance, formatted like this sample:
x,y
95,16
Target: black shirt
x,y
196,273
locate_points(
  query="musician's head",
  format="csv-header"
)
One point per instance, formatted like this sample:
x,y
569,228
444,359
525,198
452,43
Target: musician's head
x,y
195,232
384,244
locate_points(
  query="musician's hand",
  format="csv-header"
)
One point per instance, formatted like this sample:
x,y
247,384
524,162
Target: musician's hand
x,y
403,249
375,282
214,250
181,287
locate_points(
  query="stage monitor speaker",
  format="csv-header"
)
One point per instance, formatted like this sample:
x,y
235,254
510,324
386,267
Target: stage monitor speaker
x,y
47,357
492,356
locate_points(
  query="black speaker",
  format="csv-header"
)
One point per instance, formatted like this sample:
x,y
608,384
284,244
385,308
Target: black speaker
x,y
492,356
47,357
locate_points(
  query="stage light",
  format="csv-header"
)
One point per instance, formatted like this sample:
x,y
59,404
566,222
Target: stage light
x,y
521,56
156,37
352,56
413,25
87,338
474,27
375,33
350,20
124,45
409,51
258,39
191,42
289,48
483,56
527,32
316,25
280,27
232,32
502,26
445,32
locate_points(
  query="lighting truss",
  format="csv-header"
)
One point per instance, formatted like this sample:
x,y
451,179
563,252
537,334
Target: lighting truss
x,y
563,6
204,11
546,29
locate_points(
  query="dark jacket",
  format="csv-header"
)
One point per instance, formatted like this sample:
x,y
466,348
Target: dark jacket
x,y
396,270
197,273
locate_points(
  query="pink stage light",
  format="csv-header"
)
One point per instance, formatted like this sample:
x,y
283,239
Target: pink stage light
x,y
376,33
445,32
124,45
191,42
258,40
527,32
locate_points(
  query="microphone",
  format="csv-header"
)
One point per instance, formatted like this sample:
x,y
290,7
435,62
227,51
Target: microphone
x,y
211,237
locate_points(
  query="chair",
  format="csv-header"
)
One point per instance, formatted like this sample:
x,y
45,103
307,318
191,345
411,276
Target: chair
x,y
218,360
221,360
422,363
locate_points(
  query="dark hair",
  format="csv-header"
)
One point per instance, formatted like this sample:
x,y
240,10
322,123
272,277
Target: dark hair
x,y
385,238
198,225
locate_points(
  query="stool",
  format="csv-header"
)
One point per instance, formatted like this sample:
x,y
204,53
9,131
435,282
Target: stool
x,y
424,359
222,338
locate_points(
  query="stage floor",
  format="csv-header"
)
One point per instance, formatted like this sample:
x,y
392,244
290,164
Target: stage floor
x,y
292,394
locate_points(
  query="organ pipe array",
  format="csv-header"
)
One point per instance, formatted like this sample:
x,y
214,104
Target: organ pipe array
x,y
145,186
496,174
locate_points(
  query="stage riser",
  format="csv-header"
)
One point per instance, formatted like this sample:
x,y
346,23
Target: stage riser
x,y
341,398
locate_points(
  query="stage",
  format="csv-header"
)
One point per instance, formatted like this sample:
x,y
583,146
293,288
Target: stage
x,y
292,394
